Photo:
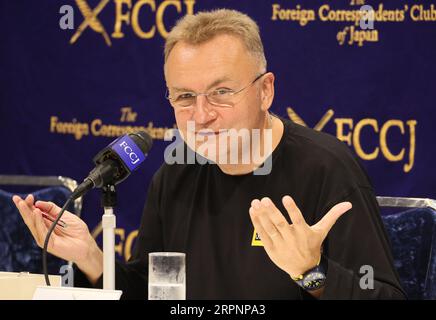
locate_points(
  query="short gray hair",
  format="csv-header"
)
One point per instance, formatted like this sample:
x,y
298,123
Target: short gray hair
x,y
205,25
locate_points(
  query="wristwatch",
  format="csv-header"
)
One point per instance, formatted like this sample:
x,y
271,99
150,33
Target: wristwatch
x,y
314,278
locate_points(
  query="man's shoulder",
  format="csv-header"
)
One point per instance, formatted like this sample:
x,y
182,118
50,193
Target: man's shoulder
x,y
320,152
302,140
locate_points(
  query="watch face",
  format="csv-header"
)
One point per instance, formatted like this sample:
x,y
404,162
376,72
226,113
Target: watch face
x,y
314,281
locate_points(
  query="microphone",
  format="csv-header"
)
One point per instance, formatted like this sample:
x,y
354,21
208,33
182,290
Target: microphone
x,y
113,165
115,162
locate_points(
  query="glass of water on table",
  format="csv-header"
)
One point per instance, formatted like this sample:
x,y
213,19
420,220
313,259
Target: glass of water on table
x,y
166,276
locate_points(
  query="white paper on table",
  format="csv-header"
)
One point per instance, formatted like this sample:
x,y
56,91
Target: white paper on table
x,y
68,293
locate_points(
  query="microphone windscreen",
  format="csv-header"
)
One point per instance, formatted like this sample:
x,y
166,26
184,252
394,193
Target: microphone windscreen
x,y
142,140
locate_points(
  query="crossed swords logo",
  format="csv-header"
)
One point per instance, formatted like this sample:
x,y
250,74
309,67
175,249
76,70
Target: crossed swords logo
x,y
319,126
91,20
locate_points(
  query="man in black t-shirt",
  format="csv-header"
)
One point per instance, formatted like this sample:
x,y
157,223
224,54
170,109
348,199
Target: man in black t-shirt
x,y
279,212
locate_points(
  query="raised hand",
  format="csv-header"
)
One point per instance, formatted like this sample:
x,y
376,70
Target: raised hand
x,y
295,248
72,242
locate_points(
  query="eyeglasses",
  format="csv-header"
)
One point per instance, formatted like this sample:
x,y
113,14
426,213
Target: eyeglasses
x,y
219,97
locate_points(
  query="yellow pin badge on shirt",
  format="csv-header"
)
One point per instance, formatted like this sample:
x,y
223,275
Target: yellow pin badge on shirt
x,y
256,242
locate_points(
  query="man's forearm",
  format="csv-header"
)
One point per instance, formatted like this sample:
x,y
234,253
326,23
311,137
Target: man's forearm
x,y
92,266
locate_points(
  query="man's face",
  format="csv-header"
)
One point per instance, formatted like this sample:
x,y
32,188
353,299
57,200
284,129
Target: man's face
x,y
220,63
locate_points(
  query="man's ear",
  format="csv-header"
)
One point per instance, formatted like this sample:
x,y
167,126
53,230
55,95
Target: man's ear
x,y
267,90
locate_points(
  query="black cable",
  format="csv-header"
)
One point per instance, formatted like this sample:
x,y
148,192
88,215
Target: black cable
x,y
47,238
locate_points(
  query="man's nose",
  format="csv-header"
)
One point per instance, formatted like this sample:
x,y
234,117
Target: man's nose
x,y
203,112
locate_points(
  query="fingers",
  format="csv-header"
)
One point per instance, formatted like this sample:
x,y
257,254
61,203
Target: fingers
x,y
41,229
271,219
25,210
328,221
48,207
27,214
32,217
29,200
293,211
16,199
274,216
264,237
261,211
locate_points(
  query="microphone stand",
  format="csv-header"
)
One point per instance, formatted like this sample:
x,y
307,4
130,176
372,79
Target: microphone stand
x,y
109,201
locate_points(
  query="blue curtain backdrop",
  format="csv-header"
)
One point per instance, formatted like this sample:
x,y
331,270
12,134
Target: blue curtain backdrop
x,y
66,93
